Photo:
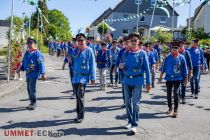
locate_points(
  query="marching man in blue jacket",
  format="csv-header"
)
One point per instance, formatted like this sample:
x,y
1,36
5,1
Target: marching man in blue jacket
x,y
197,57
102,60
188,59
152,61
175,68
114,51
126,47
134,64
33,64
84,70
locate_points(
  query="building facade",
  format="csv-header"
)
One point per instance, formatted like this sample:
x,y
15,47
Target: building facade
x,y
202,17
127,8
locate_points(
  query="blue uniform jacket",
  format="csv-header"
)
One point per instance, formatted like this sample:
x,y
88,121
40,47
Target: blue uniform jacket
x,y
120,56
92,46
155,54
102,59
197,56
69,46
113,55
175,68
188,59
151,58
33,64
97,47
109,46
83,66
50,45
157,48
135,65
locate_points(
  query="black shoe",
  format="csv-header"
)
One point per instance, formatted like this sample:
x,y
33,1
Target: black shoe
x,y
196,96
78,120
123,106
73,96
131,132
153,86
183,101
191,95
31,106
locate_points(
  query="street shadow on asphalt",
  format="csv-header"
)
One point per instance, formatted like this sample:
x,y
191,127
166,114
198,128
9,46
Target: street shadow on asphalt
x,y
49,98
66,92
98,109
158,97
93,131
111,92
145,116
154,102
38,124
7,110
106,98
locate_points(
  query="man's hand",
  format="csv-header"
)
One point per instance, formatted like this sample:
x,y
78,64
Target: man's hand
x,y
185,81
18,70
160,79
190,74
115,69
43,77
148,87
121,66
93,82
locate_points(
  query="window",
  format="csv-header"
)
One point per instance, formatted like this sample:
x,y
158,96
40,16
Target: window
x,y
142,19
125,31
152,2
162,19
125,16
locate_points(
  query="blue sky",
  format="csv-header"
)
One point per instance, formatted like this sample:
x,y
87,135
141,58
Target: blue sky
x,y
81,13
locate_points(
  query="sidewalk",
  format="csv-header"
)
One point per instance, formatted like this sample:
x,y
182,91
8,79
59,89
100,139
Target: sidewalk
x,y
7,88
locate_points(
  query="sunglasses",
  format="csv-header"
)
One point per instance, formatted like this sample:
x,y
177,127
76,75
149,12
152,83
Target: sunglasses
x,y
174,47
134,40
80,40
30,42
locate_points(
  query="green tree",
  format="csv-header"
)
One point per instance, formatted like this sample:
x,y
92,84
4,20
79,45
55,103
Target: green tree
x,y
199,33
59,25
102,29
163,36
42,5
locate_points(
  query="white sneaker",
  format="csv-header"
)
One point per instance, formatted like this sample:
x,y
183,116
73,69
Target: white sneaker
x,y
15,78
20,79
128,126
134,129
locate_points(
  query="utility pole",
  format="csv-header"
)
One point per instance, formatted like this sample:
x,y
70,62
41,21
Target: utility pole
x,y
10,43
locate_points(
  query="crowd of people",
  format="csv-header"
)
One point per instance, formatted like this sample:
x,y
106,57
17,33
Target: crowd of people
x,y
129,62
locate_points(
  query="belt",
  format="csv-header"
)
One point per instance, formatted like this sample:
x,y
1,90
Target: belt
x,y
134,76
82,74
101,62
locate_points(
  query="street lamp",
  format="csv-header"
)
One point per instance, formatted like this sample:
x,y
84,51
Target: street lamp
x,y
172,28
153,13
189,18
138,2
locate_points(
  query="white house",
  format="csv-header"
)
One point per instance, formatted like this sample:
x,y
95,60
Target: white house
x,y
202,17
